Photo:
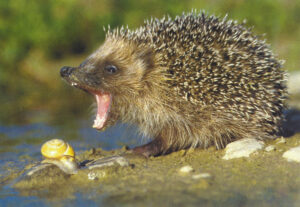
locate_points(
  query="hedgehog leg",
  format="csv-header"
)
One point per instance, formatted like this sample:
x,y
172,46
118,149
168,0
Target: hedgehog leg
x,y
153,148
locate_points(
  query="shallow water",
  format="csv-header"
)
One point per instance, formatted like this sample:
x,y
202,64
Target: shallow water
x,y
20,146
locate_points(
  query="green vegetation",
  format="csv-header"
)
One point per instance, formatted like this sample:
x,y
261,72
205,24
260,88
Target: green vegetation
x,y
38,37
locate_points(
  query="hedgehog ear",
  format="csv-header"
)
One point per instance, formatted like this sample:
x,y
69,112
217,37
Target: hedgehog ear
x,y
147,56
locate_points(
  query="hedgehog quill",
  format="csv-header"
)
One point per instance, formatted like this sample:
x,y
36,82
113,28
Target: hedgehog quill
x,y
193,81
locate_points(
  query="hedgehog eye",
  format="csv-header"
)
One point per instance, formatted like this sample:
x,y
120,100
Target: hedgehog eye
x,y
111,69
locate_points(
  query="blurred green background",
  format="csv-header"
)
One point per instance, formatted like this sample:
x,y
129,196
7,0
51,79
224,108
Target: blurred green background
x,y
38,37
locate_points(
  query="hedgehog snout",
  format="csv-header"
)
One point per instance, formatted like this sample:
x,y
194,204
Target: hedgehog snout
x,y
66,71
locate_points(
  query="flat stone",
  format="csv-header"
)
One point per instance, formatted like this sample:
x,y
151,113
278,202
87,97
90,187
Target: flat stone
x,y
293,83
270,148
186,169
96,175
292,154
242,148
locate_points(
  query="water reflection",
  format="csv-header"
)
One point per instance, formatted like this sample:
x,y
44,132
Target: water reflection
x,y
26,140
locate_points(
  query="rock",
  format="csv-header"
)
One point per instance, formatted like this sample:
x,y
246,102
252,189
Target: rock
x,y
242,148
96,175
293,83
201,175
270,148
292,154
186,169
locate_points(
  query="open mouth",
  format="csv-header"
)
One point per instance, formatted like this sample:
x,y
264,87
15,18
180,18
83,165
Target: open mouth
x,y
103,100
103,107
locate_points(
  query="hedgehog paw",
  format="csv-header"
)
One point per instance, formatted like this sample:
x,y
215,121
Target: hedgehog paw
x,y
153,148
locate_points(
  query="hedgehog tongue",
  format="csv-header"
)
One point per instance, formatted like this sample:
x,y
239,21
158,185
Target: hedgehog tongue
x,y
103,105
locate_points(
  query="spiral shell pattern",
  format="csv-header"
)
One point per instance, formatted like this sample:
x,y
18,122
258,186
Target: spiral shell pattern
x,y
56,149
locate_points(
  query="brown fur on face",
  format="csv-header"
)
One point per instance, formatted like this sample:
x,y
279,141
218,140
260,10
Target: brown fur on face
x,y
195,81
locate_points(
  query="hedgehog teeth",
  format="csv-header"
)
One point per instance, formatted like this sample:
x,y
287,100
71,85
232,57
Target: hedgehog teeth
x,y
99,122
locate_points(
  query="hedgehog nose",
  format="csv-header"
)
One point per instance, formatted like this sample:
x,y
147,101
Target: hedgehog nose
x,y
66,71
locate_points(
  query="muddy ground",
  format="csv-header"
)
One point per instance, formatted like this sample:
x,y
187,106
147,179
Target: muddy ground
x,y
263,179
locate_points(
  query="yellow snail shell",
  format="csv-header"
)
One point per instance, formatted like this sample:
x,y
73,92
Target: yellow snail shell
x,y
61,154
57,148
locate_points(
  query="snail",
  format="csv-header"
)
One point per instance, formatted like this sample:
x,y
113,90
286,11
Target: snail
x,y
61,154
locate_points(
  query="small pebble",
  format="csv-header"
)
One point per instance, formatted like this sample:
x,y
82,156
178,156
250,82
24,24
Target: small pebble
x,y
270,148
292,154
186,169
92,176
96,175
242,148
201,175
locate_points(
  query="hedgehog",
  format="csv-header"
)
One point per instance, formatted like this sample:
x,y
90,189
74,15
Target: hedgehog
x,y
194,81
